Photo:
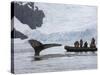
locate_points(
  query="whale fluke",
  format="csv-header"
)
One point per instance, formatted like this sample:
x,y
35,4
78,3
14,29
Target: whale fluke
x,y
50,45
38,46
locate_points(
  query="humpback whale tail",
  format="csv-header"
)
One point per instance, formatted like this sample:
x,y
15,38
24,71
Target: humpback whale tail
x,y
50,45
38,46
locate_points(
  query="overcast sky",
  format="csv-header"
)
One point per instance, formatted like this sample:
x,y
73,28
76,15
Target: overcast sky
x,y
66,18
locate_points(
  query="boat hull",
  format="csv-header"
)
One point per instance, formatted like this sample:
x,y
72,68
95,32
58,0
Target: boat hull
x,y
73,49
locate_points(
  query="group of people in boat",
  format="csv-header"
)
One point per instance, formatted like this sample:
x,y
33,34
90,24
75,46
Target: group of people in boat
x,y
80,44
